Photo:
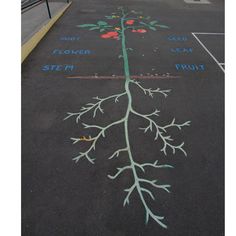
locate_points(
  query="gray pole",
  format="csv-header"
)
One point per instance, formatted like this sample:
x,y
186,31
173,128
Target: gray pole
x,y
49,13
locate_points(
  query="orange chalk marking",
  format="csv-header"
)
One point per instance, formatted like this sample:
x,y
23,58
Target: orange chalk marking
x,y
83,138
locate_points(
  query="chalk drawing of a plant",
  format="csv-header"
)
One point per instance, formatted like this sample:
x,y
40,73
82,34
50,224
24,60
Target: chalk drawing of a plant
x,y
123,21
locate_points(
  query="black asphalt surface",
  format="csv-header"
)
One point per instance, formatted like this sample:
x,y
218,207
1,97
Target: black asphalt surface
x,y
60,197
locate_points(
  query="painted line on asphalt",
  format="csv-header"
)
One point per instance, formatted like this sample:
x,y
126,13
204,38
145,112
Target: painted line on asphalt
x,y
122,77
208,33
212,56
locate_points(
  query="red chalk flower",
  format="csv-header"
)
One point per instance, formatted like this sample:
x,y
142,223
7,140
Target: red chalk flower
x,y
105,36
141,31
129,22
111,34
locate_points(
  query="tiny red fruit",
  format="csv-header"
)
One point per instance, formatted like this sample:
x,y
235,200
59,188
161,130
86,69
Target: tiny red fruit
x,y
105,36
111,34
142,31
129,22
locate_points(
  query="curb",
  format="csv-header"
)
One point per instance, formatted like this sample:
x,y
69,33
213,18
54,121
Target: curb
x,y
28,47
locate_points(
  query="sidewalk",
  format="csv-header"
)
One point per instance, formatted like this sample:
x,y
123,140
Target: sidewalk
x,y
35,18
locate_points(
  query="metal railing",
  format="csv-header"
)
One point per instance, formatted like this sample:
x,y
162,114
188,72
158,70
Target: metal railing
x,y
49,12
28,4
33,3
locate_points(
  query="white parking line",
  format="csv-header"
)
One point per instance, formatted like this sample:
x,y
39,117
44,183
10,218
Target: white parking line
x,y
208,33
212,56
197,1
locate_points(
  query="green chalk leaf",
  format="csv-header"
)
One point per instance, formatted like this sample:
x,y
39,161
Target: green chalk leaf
x,y
109,17
153,22
94,28
163,26
136,12
152,28
86,25
143,23
102,22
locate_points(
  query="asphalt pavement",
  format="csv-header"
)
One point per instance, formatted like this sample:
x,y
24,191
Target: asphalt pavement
x,y
71,66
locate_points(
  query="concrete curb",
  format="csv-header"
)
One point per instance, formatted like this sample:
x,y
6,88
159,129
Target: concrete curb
x,y
28,47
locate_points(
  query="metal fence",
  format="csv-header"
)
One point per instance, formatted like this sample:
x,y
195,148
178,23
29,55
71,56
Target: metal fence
x,y
28,4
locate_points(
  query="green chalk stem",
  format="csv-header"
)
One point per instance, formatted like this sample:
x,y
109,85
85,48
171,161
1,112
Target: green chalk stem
x,y
160,131
139,189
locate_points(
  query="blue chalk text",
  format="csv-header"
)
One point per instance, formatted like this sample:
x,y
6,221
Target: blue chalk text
x,y
181,50
177,38
69,38
190,67
71,52
58,68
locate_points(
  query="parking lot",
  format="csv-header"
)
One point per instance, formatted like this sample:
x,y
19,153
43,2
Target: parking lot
x,y
73,67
